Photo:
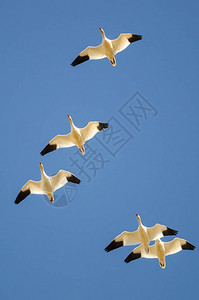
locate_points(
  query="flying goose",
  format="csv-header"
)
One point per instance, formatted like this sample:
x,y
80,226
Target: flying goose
x,y
108,48
159,250
47,185
143,235
77,136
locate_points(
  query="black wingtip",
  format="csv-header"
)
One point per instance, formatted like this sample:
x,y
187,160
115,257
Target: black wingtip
x,y
169,231
132,256
73,179
134,38
188,246
113,245
102,126
79,59
21,196
48,148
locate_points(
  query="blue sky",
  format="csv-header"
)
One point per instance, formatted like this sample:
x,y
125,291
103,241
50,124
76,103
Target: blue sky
x,y
57,253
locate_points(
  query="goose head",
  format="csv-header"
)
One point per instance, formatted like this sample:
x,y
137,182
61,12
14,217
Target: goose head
x,y
102,32
70,120
41,167
138,218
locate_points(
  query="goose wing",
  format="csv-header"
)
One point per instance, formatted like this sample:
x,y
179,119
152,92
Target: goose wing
x,y
60,141
140,252
123,41
124,239
89,53
176,245
158,231
61,178
92,129
31,187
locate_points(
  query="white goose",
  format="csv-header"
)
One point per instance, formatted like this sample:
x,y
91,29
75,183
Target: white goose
x,y
160,250
143,235
47,185
108,48
77,137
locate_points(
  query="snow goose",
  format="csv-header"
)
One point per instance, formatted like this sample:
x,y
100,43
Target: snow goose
x,y
143,235
77,136
47,185
160,250
108,48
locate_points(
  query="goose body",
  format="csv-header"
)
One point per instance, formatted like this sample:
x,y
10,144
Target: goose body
x,y
143,235
108,48
160,250
77,137
47,185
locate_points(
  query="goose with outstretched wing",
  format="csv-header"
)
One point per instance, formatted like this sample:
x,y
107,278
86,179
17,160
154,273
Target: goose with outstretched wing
x,y
77,137
108,48
143,235
160,250
47,185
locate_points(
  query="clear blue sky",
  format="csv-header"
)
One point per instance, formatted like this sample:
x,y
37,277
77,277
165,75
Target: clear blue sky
x,y
58,253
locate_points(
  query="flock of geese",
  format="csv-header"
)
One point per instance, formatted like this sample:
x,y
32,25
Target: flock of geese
x,y
144,235
48,185
77,137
